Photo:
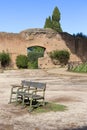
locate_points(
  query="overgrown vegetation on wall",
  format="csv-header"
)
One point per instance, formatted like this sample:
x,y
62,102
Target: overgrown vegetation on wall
x,y
60,56
5,59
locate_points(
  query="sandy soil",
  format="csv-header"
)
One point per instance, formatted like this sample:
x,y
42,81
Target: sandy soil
x,y
62,87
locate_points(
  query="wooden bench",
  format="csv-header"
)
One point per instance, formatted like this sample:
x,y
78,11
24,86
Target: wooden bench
x,y
32,91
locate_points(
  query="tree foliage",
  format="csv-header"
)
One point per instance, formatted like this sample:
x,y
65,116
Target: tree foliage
x,y
54,21
56,14
34,53
80,35
36,49
33,59
48,23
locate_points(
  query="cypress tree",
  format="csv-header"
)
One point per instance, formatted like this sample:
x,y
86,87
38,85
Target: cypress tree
x,y
48,23
54,22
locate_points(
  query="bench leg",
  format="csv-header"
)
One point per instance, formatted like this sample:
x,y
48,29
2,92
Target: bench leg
x,y
31,108
23,104
43,102
11,96
17,99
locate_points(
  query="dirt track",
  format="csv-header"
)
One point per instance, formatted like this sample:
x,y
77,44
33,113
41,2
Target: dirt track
x,y
62,87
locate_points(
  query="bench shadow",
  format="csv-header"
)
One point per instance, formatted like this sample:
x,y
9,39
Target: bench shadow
x,y
82,128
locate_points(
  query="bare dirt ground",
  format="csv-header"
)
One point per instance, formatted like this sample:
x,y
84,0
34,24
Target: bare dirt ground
x,y
63,87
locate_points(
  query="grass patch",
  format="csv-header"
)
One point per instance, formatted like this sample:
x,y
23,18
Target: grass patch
x,y
50,107
82,68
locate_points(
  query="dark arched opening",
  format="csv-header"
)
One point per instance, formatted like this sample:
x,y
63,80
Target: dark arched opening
x,y
34,53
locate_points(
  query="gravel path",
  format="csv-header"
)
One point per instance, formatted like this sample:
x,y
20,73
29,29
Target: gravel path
x,y
62,87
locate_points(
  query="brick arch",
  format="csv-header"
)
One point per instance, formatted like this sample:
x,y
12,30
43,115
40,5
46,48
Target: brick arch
x,y
41,44
36,46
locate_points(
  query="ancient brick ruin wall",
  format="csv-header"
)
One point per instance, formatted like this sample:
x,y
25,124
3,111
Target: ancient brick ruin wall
x,y
17,44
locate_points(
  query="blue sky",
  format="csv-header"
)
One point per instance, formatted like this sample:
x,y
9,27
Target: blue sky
x,y
18,15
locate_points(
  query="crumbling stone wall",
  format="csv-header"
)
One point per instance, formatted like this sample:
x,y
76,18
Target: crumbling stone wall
x,y
17,44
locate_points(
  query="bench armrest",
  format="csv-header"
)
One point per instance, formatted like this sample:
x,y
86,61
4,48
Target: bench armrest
x,y
28,89
35,91
22,89
16,85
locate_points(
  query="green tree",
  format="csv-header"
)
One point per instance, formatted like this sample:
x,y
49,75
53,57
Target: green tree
x,y
56,14
36,49
48,23
33,59
54,22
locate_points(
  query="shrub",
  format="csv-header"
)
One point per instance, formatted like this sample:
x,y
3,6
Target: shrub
x,y
61,56
22,61
5,59
33,65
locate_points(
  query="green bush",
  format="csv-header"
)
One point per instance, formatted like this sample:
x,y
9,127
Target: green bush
x,y
5,59
22,61
62,56
33,65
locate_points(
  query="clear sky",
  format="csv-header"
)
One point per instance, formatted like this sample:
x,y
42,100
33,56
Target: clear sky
x,y
18,15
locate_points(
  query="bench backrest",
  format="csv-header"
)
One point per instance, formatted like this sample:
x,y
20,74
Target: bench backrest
x,y
36,85
25,83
